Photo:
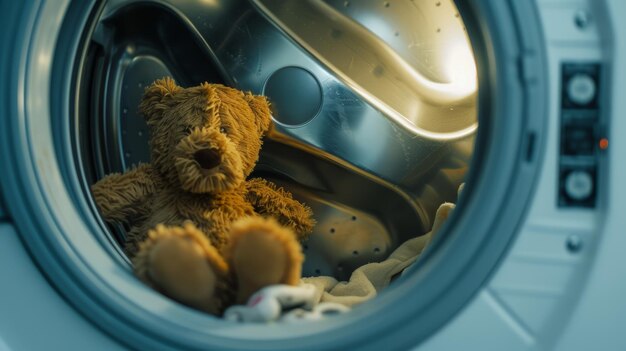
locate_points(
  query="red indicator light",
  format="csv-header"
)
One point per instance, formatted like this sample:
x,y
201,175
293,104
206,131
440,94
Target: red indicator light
x,y
604,143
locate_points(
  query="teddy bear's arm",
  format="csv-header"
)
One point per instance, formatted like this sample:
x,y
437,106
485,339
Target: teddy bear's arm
x,y
120,197
270,201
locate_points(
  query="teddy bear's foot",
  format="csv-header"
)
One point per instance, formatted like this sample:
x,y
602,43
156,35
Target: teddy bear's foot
x,y
262,253
181,263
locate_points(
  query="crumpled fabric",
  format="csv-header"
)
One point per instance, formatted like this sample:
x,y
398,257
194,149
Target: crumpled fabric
x,y
368,280
318,297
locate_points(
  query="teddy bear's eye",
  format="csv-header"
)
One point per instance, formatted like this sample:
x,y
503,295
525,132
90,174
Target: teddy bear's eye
x,y
223,130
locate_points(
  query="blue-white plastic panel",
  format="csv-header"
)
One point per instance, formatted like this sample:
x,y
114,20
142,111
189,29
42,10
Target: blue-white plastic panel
x,y
32,314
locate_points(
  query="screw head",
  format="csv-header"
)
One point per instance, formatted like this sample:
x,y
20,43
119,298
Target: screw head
x,y
574,243
582,19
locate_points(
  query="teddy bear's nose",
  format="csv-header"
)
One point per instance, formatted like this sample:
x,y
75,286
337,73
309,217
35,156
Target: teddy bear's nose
x,y
207,158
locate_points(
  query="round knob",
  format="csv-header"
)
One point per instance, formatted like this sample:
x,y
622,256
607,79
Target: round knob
x,y
579,185
581,89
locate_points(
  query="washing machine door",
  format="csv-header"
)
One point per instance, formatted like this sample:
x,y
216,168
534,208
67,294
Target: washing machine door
x,y
504,271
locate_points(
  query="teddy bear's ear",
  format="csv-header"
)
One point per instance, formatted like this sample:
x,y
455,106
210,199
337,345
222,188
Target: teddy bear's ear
x,y
158,98
261,109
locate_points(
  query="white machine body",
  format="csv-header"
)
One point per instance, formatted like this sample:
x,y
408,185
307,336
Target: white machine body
x,y
559,287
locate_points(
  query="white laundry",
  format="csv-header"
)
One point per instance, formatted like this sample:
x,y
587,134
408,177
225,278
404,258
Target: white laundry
x,y
284,304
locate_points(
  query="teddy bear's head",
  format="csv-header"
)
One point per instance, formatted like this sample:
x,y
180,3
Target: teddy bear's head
x,y
205,139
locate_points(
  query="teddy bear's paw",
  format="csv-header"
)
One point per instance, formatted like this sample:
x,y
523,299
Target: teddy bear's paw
x,y
262,253
181,263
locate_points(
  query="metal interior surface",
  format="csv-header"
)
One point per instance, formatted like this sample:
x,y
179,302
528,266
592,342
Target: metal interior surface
x,y
410,59
371,183
352,227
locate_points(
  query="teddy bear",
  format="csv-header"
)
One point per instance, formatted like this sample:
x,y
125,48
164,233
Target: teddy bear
x,y
200,231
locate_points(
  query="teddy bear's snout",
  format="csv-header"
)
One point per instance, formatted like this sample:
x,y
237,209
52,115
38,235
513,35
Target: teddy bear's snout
x,y
207,158
207,161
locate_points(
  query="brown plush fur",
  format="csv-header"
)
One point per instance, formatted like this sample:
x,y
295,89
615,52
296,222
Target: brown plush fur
x,y
197,232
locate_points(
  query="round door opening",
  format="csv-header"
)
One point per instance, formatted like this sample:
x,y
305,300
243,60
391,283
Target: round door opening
x,y
372,184
373,170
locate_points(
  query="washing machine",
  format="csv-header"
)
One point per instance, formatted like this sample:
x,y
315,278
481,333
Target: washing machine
x,y
381,110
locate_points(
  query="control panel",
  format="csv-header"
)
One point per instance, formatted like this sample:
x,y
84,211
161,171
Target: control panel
x,y
581,135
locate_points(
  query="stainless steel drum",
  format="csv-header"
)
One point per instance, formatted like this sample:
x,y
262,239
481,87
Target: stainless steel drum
x,y
374,114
